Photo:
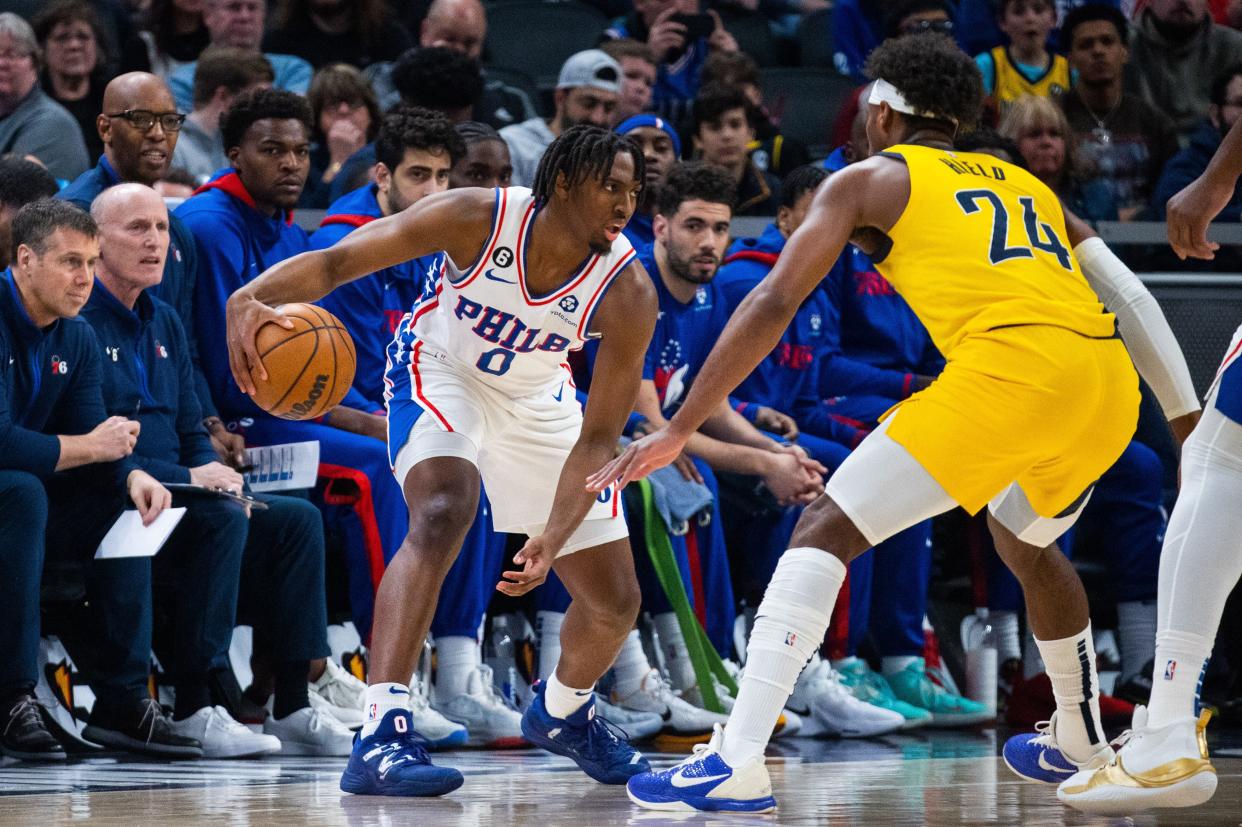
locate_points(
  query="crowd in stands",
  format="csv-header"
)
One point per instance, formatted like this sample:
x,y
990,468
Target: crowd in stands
x,y
153,154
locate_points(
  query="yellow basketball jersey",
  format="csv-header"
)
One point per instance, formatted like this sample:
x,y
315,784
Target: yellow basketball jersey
x,y
982,245
1009,84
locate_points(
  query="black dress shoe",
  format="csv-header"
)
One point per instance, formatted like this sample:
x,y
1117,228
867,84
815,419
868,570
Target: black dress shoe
x,y
139,726
26,735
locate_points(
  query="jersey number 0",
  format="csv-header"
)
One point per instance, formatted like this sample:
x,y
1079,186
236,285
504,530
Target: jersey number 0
x,y
1039,235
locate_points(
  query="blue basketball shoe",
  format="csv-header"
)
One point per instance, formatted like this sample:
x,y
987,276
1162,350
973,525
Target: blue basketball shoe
x,y
1035,756
393,761
584,737
705,782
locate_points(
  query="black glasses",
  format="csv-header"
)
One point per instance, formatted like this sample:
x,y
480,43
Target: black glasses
x,y
144,119
917,26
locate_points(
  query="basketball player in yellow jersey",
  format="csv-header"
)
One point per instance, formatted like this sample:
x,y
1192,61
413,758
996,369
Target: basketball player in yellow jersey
x,y
1039,397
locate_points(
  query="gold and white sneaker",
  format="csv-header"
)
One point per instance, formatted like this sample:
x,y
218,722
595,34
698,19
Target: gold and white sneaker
x,y
1164,766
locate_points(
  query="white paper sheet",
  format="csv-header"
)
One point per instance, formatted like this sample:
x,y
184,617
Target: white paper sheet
x,y
283,467
128,537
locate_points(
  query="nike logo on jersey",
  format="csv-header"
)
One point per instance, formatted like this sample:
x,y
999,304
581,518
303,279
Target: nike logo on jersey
x,y
1044,765
678,779
487,274
557,396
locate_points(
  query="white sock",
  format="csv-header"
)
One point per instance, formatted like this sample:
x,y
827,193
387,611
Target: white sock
x,y
457,656
892,664
380,699
1032,662
1076,687
548,633
562,701
1008,637
676,655
631,667
1199,565
1136,636
789,628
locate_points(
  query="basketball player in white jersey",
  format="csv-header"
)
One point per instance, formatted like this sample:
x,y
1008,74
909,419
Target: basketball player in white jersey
x,y
479,386
1164,762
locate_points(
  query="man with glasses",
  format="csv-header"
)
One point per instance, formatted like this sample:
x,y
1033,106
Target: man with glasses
x,y
31,123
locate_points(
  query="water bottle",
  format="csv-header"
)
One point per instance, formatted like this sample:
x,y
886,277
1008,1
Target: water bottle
x,y
981,665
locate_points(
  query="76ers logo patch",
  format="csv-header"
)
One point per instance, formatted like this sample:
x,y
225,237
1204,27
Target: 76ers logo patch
x,y
569,304
59,365
503,257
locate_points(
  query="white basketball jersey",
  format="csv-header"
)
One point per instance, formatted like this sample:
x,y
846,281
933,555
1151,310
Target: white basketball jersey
x,y
485,318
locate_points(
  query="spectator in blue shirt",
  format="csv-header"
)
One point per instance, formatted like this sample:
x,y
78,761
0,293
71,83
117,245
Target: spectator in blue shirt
x,y
65,476
680,55
242,224
240,23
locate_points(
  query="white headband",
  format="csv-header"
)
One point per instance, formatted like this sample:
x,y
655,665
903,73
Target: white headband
x,y
884,92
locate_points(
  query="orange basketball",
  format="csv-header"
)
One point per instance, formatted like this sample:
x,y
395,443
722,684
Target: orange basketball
x,y
309,368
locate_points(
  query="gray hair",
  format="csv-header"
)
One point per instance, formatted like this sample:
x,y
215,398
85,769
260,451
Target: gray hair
x,y
16,27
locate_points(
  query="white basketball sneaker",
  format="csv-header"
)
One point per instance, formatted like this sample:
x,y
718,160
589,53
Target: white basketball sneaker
x,y
310,732
1164,766
636,725
438,731
705,782
829,709
339,693
489,718
679,716
222,737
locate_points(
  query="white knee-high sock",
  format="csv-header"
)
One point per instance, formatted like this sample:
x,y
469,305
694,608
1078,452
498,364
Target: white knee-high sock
x,y
1199,565
548,633
789,628
676,655
1076,687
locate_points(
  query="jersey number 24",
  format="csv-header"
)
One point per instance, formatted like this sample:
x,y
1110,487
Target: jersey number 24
x,y
1039,235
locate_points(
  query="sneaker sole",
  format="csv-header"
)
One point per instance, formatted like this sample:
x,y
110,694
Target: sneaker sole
x,y
22,755
1032,778
552,746
297,748
1122,801
254,753
705,805
120,741
941,720
356,785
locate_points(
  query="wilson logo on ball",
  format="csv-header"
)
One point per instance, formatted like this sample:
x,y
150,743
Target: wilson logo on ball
x,y
316,391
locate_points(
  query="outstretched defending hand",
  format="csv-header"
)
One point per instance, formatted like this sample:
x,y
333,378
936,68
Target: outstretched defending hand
x,y
640,458
536,558
1189,213
243,318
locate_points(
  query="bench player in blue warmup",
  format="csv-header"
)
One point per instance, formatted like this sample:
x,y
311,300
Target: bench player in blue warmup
x,y
478,385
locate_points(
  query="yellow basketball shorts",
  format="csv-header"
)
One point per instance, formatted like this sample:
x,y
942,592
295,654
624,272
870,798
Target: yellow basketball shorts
x,y
1038,405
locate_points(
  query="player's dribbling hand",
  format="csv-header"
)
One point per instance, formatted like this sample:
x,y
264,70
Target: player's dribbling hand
x,y
640,458
1188,215
536,559
243,318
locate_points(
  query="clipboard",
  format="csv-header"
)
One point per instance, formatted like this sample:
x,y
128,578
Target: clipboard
x,y
201,491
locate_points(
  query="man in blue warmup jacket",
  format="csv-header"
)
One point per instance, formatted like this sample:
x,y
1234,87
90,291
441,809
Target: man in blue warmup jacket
x,y
272,559
242,224
415,150
52,420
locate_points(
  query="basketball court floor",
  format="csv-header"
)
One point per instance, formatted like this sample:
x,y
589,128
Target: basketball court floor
x,y
932,778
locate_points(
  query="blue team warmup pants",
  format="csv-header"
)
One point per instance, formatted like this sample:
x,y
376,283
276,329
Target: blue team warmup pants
x,y
471,582
374,524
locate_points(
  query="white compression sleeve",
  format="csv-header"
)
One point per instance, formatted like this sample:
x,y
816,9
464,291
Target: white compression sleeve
x,y
1144,329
